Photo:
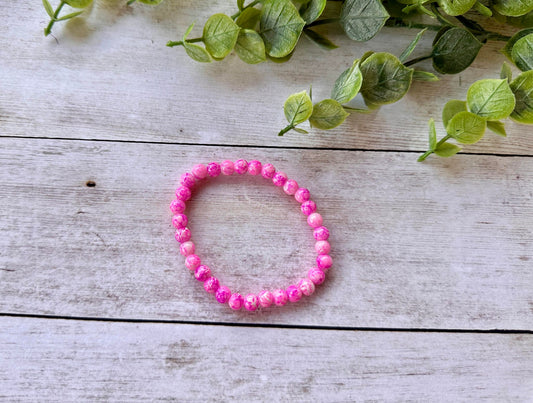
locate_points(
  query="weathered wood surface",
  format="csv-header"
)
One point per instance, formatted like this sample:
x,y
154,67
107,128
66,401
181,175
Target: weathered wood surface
x,y
447,244
55,360
110,76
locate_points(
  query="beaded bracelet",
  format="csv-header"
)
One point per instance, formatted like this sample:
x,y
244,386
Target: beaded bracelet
x,y
223,294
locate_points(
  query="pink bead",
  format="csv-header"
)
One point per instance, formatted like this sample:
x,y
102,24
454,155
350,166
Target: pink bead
x,y
241,166
187,248
227,167
177,206
254,167
199,171
308,207
192,262
322,247
211,285
294,293
321,233
179,221
265,298
251,302
236,301
222,294
279,178
302,195
324,262
187,180
280,297
290,187
183,235
183,193
213,169
314,220
268,171
306,286
316,275
202,273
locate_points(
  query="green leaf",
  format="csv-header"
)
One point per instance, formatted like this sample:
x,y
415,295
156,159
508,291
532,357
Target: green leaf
x,y
69,16
363,19
482,9
281,27
491,99
522,87
523,21
454,51
385,79
249,18
451,109
522,53
513,8
196,52
327,114
508,48
405,54
506,72
456,7
250,47
420,75
319,39
78,3
188,31
299,130
497,127
432,134
466,127
348,84
312,10
447,150
240,4
48,8
280,59
220,35
298,108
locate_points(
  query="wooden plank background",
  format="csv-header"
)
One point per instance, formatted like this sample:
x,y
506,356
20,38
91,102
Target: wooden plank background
x,y
431,294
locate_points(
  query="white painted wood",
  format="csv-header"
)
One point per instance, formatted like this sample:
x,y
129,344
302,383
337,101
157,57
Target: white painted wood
x,y
55,360
110,76
446,244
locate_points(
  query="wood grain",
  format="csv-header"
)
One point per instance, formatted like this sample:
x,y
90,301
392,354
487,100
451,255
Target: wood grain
x,y
447,244
110,76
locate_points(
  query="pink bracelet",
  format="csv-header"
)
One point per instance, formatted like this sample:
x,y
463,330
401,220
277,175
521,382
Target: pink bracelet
x,y
265,298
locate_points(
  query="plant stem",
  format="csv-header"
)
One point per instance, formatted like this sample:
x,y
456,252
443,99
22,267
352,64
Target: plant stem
x,y
322,22
417,60
494,36
253,3
396,22
171,44
429,152
48,29
285,130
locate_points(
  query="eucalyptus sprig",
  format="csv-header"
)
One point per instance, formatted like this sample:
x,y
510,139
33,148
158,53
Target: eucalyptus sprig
x,y
54,14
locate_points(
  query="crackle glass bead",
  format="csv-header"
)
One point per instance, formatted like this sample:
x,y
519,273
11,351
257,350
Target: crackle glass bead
x,y
279,178
314,220
179,220
177,206
236,301
183,193
202,273
222,294
187,180
294,293
268,171
290,187
321,233
187,248
316,275
308,207
192,262
227,167
322,247
265,298
251,302
306,286
213,169
183,234
302,195
241,166
199,171
254,167
324,262
211,285
280,297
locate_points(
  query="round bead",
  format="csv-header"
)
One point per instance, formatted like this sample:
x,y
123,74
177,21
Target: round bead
x,y
294,293
213,169
241,166
183,235
179,221
308,207
268,171
265,298
306,286
211,285
187,248
322,247
280,297
202,273
183,193
321,233
290,187
302,195
187,180
236,301
324,262
279,178
251,302
222,294
316,275
314,220
177,206
192,262
227,167
199,171
254,167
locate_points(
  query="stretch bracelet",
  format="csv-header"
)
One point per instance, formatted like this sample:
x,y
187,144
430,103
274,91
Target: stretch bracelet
x,y
223,294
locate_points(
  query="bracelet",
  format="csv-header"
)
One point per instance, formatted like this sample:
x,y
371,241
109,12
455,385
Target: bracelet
x,y
265,298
